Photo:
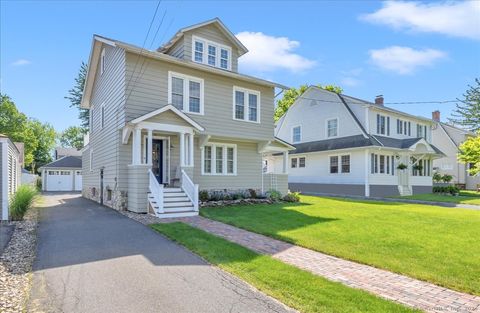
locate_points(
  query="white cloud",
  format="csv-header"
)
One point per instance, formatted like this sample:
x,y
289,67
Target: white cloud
x,y
21,62
404,60
268,53
459,19
350,77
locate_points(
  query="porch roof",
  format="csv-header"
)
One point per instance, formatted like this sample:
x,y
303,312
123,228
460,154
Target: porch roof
x,y
172,109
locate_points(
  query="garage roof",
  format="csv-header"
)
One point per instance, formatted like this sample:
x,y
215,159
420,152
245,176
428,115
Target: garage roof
x,y
65,162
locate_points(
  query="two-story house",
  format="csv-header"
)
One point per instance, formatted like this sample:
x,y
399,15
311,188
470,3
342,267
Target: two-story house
x,y
448,138
350,146
165,124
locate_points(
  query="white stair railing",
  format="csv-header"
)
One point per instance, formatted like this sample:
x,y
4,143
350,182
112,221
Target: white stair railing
x,y
190,189
156,190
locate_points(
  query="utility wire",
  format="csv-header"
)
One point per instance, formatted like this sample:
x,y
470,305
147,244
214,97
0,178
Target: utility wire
x,y
366,102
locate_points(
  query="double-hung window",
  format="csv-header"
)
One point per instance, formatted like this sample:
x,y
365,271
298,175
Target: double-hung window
x,y
298,162
346,163
219,159
421,131
246,105
382,164
332,128
383,125
333,164
211,53
294,162
185,92
340,164
296,134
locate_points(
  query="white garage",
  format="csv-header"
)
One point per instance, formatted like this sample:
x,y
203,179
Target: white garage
x,y
64,174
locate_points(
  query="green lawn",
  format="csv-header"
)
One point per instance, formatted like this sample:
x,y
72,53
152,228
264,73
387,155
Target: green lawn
x,y
465,197
436,244
296,288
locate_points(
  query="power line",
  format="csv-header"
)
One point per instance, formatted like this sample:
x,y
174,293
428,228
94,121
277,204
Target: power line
x,y
388,103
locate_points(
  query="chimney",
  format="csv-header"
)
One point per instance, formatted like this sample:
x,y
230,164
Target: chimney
x,y
436,116
379,100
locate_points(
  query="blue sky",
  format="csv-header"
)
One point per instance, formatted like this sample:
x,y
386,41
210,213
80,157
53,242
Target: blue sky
x,y
403,50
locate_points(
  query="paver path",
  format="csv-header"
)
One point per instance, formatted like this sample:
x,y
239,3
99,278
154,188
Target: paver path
x,y
399,288
92,259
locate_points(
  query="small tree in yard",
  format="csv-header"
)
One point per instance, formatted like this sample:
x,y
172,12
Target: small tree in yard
x,y
470,154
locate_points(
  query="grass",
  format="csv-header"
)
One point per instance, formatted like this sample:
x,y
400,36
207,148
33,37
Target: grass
x,y
296,288
435,244
21,201
465,197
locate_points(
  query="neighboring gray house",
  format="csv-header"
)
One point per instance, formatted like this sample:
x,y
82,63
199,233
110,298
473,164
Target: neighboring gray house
x,y
10,173
165,124
61,152
350,146
64,174
448,138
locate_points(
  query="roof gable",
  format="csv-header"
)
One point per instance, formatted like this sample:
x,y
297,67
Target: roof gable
x,y
174,116
216,22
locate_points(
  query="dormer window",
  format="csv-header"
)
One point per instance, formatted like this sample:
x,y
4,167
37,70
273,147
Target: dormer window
x,y
217,55
383,125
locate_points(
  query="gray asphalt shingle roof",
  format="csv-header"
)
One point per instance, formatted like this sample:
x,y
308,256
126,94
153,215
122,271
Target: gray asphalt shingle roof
x,y
65,162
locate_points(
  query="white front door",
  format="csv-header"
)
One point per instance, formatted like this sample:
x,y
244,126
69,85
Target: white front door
x,y
59,180
78,180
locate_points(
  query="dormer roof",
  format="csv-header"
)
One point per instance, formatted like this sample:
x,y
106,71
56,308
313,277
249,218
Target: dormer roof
x,y
218,23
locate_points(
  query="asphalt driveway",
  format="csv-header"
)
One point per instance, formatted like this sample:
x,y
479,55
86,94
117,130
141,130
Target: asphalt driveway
x,y
93,259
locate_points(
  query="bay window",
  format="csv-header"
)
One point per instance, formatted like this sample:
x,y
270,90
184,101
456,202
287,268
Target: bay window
x,y
219,159
185,92
246,106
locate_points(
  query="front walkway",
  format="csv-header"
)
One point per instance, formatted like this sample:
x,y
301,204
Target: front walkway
x,y
406,290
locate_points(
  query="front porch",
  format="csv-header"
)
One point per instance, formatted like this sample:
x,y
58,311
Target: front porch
x,y
162,153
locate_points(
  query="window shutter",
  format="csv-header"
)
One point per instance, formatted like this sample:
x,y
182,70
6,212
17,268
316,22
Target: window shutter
x,y
373,163
409,129
388,125
378,124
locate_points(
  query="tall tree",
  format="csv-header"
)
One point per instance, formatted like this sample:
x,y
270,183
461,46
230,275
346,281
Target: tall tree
x,y
45,134
75,96
470,154
15,125
72,137
467,112
292,94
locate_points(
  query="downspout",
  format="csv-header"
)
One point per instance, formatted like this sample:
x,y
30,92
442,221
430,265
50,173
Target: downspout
x,y
367,183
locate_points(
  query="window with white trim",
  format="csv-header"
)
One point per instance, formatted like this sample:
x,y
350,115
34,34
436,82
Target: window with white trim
x,y
217,55
294,162
332,127
297,162
340,164
185,92
422,131
219,159
383,125
102,62
103,114
382,164
246,105
334,164
296,134
403,127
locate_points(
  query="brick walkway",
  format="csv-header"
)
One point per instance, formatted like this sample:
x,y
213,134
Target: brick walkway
x,y
388,285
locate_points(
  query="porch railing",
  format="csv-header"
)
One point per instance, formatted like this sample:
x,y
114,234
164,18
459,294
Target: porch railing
x,y
190,189
156,190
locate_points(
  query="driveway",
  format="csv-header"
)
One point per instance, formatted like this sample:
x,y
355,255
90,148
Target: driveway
x,y
93,259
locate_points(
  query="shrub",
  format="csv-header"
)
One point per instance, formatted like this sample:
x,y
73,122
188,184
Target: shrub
x,y
38,184
453,190
21,201
447,178
253,193
292,197
437,177
203,195
274,195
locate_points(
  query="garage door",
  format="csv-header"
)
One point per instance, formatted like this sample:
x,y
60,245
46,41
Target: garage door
x,y
59,181
78,180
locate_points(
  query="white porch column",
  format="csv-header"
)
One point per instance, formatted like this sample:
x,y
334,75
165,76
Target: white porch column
x,y
285,162
182,149
149,147
136,146
190,149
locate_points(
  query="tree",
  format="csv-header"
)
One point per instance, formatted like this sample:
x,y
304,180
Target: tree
x,y
292,94
15,125
75,96
470,154
45,134
72,137
38,138
467,112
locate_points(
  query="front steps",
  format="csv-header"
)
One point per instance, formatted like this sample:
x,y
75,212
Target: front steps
x,y
405,190
175,204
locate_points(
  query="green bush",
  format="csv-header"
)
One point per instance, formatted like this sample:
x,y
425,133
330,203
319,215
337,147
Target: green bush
x,y
38,184
21,201
453,190
447,178
274,195
203,195
437,177
292,197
